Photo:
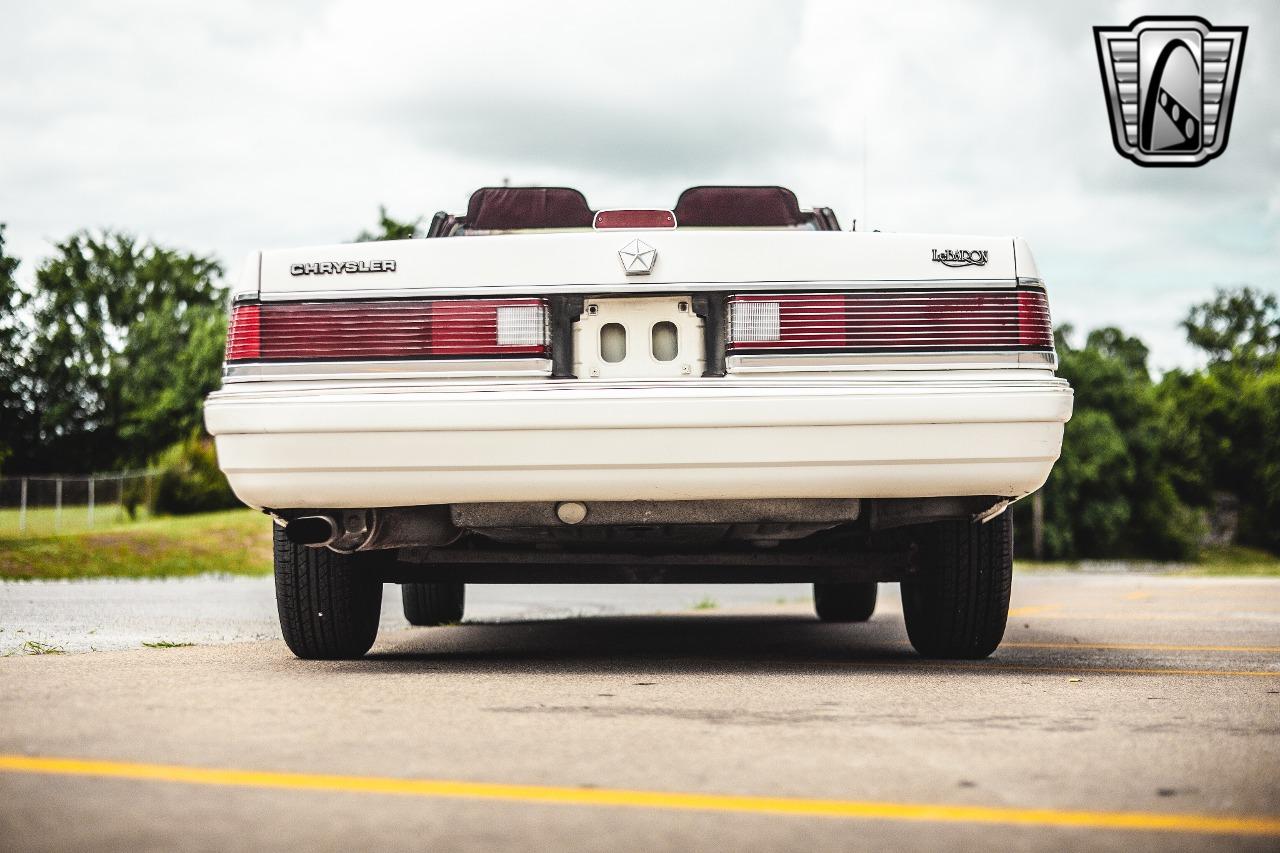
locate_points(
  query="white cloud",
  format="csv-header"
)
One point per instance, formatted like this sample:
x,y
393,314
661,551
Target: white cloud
x,y
226,127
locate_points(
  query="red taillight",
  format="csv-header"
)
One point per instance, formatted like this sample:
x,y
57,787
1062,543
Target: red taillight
x,y
893,322
387,329
1035,328
635,219
243,341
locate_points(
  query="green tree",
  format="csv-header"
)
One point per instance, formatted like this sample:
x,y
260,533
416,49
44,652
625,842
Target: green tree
x,y
123,325
390,229
190,480
13,410
176,359
1086,512
1240,326
1232,408
1122,485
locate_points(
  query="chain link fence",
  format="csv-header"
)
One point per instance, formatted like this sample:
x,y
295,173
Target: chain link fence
x,y
49,504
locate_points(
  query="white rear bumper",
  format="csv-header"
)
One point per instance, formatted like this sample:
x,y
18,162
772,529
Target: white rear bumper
x,y
402,445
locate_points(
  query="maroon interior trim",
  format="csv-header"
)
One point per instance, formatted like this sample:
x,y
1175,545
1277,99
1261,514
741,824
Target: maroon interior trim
x,y
738,206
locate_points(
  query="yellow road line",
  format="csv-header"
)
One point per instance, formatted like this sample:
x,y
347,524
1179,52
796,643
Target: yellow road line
x,y
1080,616
1055,611
1145,647
1033,609
1259,825
1125,670
996,666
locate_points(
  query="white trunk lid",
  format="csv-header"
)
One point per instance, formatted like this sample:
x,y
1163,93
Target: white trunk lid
x,y
693,260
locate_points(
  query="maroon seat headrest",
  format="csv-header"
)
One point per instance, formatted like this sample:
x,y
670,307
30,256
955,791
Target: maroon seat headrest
x,y
738,206
507,208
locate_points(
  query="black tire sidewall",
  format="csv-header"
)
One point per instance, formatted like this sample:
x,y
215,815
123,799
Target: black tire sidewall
x,y
434,603
845,602
329,603
958,609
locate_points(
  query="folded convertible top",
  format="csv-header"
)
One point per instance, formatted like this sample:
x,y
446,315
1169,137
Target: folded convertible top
x,y
505,209
510,208
738,207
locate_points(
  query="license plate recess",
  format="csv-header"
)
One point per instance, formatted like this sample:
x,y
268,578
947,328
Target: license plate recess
x,y
640,337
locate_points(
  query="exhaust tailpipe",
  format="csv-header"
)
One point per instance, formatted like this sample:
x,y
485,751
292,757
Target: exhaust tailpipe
x,y
314,531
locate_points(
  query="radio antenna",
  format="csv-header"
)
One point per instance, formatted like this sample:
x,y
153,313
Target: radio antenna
x,y
866,158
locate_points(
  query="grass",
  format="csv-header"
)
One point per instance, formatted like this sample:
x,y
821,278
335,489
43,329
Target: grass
x,y
166,644
1231,561
35,647
706,604
236,541
47,521
1237,560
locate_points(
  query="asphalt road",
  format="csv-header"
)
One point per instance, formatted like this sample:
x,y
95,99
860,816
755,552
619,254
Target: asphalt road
x,y
112,614
1122,713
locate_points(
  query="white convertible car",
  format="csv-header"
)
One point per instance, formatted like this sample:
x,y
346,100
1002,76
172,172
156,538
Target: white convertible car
x,y
731,390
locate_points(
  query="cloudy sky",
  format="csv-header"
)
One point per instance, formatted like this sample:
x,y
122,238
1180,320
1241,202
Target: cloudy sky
x,y
222,127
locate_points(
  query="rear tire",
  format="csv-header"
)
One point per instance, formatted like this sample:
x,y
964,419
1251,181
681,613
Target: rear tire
x,y
433,603
959,608
845,602
329,603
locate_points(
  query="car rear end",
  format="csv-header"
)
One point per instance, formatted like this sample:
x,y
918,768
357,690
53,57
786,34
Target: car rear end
x,y
635,401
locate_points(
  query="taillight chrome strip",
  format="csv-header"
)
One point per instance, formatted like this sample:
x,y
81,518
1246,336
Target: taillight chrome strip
x,y
387,330
936,321
828,364
442,369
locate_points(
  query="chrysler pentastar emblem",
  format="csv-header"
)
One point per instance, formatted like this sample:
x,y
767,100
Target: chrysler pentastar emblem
x,y
1171,85
637,258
